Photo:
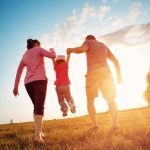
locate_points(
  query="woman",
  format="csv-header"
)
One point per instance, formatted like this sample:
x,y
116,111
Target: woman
x,y
35,81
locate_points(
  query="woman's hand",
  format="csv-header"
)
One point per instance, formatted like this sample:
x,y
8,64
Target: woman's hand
x,y
15,92
53,53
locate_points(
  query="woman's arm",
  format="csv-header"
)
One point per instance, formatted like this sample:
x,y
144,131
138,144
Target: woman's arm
x,y
18,76
49,54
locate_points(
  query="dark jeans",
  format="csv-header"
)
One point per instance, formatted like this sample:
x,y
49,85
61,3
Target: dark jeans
x,y
63,93
37,92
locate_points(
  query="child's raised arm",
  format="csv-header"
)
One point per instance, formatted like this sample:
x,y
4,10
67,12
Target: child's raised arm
x,y
68,58
53,60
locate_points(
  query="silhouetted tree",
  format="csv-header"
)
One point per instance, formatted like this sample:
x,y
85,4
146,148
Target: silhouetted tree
x,y
147,92
11,121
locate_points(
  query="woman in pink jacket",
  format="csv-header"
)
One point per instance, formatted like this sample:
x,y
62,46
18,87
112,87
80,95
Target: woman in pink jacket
x,y
35,81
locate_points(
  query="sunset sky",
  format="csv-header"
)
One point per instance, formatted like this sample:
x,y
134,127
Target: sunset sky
x,y
124,25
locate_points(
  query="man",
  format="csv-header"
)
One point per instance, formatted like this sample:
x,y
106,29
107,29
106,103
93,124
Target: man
x,y
99,76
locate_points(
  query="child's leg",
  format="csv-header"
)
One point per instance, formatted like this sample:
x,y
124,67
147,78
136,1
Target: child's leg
x,y
69,99
60,95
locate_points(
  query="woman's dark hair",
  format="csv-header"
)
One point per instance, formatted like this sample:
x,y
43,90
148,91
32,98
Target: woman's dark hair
x,y
36,41
90,37
29,43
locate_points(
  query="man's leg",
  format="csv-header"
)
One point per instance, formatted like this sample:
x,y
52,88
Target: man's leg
x,y
91,92
92,111
113,111
109,92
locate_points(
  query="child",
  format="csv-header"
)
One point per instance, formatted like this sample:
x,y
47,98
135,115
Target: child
x,y
62,84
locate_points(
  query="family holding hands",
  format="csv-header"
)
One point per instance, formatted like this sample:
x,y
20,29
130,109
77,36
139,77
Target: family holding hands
x,y
98,77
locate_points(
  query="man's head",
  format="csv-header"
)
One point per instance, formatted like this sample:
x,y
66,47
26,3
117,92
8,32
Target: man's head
x,y
90,37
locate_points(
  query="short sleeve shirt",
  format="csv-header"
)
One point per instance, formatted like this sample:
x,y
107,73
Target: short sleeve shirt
x,y
61,71
96,55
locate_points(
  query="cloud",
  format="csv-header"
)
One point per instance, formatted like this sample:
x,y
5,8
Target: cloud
x,y
94,20
61,33
134,10
74,25
86,12
134,35
103,11
99,13
118,21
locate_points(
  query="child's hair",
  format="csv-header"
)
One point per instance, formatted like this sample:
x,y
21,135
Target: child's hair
x,y
60,61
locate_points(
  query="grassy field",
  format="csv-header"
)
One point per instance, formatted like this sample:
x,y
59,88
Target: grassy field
x,y
75,133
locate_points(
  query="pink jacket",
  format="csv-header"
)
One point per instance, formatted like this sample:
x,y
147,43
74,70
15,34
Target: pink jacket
x,y
33,60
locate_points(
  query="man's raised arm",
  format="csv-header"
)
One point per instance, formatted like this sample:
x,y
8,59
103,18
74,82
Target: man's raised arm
x,y
77,50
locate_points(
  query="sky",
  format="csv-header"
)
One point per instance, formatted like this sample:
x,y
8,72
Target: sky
x,y
124,25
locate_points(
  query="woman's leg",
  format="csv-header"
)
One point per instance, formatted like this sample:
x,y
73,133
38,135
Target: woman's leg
x,y
37,92
31,93
40,88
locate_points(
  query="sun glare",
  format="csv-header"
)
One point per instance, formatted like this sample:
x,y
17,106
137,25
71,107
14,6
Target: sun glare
x,y
130,92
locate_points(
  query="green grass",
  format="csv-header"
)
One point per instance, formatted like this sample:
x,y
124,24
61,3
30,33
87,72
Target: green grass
x,y
75,133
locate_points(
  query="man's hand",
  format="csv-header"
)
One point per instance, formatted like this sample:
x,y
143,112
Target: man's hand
x,y
15,92
68,51
119,79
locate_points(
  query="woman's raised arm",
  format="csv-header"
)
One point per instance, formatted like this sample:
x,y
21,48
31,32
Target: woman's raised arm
x,y
49,54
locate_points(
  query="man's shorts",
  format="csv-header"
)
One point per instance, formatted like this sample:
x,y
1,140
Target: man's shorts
x,y
100,79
